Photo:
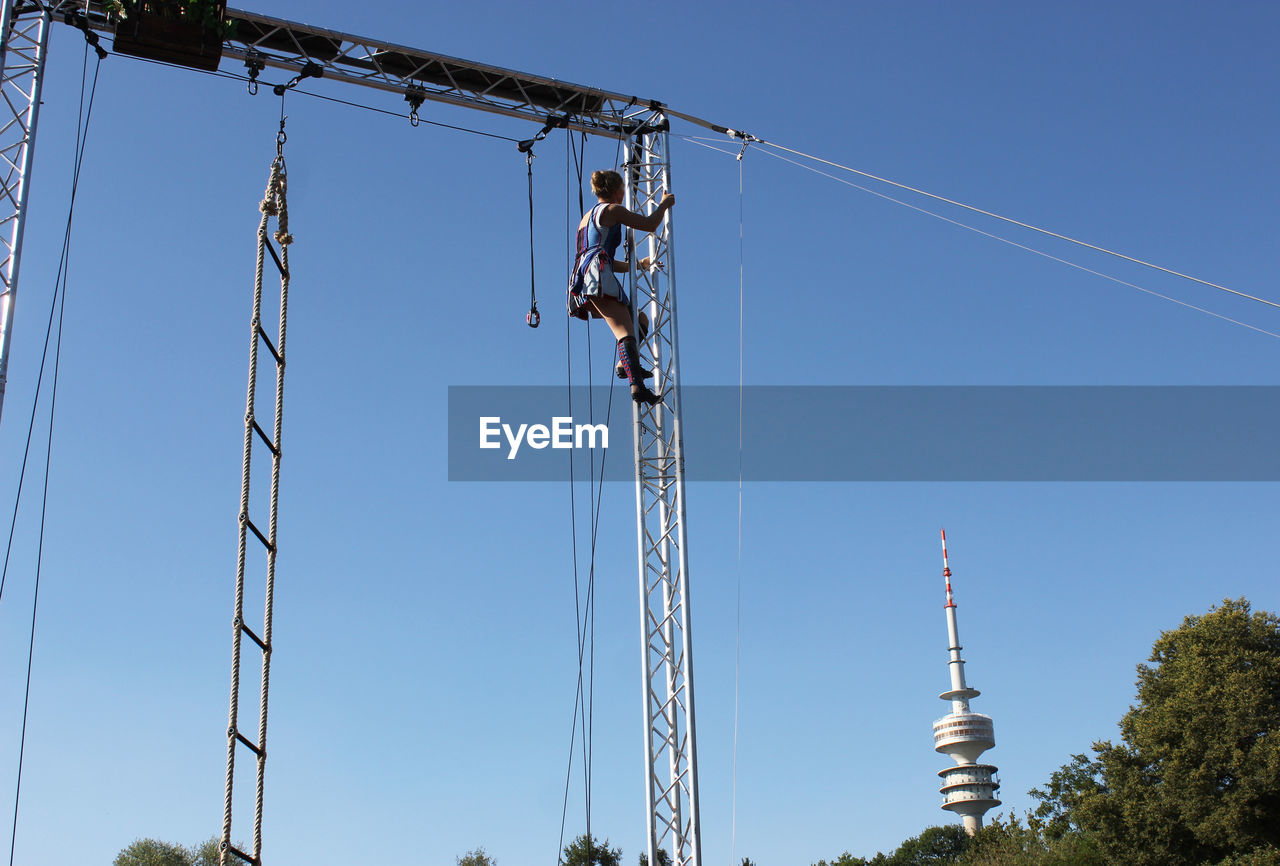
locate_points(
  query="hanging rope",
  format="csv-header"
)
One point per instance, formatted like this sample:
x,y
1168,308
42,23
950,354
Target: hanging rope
x,y
58,304
532,318
584,608
573,529
737,647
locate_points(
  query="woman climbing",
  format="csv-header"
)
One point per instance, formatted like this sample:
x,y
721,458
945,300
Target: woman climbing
x,y
594,291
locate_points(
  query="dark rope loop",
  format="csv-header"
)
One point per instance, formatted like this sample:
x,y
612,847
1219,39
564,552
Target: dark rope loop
x,y
532,319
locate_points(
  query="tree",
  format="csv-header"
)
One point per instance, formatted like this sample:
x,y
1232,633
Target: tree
x,y
589,851
1008,842
208,852
477,857
1268,856
936,845
1196,775
664,859
845,859
152,852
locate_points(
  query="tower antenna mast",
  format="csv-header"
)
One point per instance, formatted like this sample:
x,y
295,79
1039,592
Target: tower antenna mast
x,y
969,788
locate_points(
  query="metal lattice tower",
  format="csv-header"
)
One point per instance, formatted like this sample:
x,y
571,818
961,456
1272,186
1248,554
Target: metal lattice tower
x,y
421,76
671,753
25,44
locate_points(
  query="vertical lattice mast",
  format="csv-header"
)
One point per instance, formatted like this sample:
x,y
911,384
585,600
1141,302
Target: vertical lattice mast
x,y
24,45
273,205
969,788
671,755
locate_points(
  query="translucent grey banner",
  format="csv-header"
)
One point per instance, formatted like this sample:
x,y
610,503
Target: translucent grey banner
x,y
892,433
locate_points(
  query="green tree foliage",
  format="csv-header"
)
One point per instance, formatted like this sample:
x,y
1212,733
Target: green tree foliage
x,y
477,857
1196,775
1268,856
1009,842
207,853
589,851
934,847
845,859
153,852
664,859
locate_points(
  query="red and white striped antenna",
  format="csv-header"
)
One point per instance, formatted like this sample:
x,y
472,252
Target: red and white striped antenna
x,y
946,570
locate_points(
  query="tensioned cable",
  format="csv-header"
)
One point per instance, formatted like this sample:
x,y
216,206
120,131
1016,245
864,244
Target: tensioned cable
x,y
737,648
588,696
584,616
1027,248
232,76
83,117
406,117
996,237
573,524
1015,222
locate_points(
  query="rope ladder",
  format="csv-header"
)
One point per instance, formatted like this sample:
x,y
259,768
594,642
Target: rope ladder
x,y
273,206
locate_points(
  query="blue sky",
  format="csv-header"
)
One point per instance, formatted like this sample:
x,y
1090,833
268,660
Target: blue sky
x,y
423,680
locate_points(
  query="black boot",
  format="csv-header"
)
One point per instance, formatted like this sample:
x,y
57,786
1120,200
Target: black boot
x,y
629,360
621,370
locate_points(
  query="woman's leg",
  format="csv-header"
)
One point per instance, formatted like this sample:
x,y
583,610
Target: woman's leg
x,y
615,313
618,316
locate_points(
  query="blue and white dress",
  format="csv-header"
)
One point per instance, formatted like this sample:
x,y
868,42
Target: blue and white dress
x,y
592,274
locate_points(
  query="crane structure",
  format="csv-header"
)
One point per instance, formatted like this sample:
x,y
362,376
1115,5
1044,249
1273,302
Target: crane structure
x,y
260,42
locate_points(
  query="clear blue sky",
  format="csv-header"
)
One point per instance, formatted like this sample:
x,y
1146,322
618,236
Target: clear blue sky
x,y
424,672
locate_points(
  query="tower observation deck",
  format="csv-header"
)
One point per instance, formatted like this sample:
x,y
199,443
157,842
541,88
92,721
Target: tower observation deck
x,y
969,788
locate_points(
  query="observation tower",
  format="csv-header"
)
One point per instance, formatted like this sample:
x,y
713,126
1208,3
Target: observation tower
x,y
969,788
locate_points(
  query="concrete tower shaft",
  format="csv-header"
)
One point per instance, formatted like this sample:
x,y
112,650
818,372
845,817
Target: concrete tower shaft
x,y
969,788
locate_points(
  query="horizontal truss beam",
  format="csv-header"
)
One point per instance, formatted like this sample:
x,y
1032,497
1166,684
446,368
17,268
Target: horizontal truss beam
x,y
417,74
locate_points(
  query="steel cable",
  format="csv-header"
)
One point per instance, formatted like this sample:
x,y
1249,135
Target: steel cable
x,y
83,116
1013,243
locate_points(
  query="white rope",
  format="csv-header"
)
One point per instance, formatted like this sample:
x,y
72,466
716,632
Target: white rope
x,y
1015,222
700,143
737,649
1005,240
1025,247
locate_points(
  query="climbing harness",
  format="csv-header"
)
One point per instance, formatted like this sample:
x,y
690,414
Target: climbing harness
x,y
274,206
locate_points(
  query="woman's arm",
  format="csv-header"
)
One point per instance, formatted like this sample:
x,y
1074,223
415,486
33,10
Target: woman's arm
x,y
614,214
623,267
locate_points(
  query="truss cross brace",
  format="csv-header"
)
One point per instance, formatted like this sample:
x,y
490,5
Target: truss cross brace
x,y
24,44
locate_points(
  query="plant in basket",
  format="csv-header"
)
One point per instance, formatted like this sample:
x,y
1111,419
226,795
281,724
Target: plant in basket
x,y
185,32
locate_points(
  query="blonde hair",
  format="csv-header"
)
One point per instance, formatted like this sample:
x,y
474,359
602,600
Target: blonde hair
x,y
605,183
